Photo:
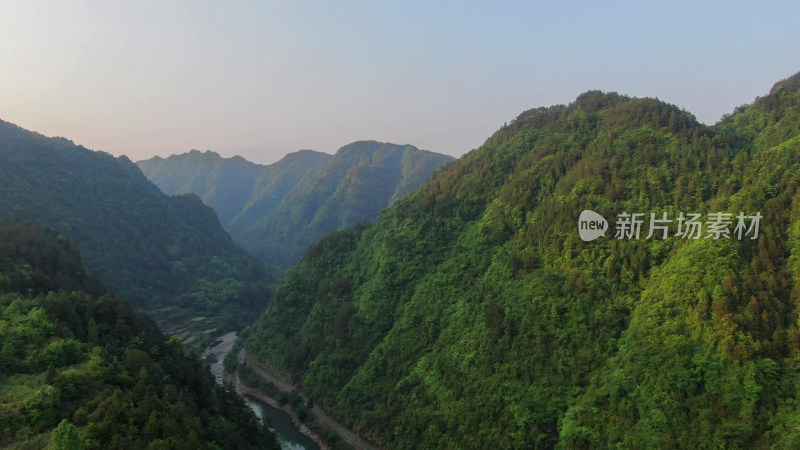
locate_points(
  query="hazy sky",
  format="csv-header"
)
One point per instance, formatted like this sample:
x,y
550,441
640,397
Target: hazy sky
x,y
265,78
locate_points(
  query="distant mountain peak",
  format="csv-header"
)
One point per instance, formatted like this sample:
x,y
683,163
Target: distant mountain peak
x,y
205,153
277,210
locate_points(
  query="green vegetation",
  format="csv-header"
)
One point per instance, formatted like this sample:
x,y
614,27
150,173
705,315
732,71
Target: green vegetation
x,y
472,315
167,256
232,185
276,211
301,410
81,370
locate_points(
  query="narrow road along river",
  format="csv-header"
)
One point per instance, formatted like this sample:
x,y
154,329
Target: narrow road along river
x,y
279,422
344,432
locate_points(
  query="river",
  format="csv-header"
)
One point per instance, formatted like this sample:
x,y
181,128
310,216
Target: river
x,y
279,422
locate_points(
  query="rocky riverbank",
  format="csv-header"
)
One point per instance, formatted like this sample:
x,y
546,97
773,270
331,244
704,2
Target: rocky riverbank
x,y
246,391
319,415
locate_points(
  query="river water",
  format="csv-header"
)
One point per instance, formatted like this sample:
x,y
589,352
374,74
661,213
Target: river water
x,y
279,422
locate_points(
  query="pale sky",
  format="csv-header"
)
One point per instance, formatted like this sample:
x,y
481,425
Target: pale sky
x,y
264,78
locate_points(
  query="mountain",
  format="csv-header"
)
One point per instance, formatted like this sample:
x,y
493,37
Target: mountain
x,y
276,211
81,370
471,313
227,184
165,255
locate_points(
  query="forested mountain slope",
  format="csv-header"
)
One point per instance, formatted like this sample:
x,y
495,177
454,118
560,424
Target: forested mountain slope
x,y
78,369
471,314
231,186
167,255
276,211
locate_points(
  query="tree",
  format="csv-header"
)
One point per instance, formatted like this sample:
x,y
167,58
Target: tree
x,y
65,437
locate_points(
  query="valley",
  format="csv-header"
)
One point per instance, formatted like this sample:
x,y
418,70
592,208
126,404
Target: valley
x,y
462,307
281,420
399,225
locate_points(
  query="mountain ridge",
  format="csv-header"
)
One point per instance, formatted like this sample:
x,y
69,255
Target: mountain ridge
x,y
279,209
471,313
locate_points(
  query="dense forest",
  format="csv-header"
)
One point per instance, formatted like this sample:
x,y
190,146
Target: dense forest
x,y
471,314
79,369
166,255
275,212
